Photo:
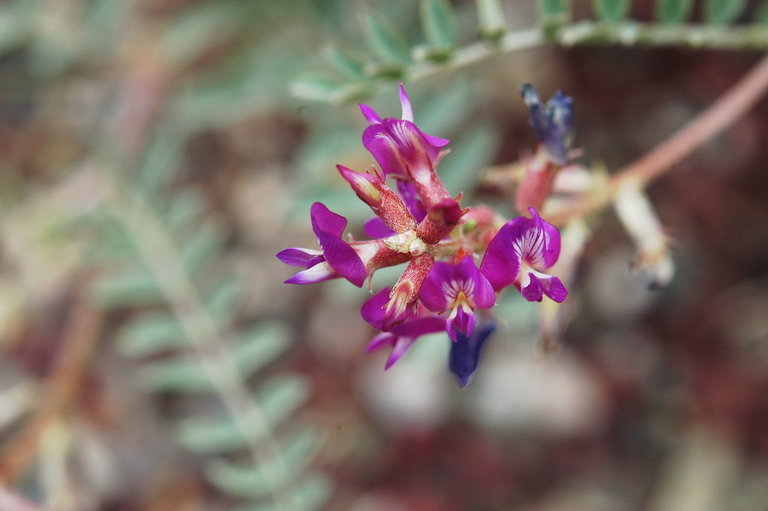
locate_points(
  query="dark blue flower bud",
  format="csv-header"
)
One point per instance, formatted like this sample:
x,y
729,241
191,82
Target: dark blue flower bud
x,y
553,122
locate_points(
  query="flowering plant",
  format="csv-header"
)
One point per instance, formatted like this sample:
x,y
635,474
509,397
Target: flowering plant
x,y
458,258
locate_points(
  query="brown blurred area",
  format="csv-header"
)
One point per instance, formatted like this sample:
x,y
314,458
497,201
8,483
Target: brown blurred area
x,y
656,400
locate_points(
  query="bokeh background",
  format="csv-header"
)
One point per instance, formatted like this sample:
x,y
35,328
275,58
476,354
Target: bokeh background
x,y
153,161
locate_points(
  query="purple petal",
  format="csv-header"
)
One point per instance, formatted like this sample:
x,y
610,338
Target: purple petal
x,y
328,227
399,145
501,263
411,198
462,322
432,293
553,288
342,258
301,257
405,104
533,291
373,309
317,273
479,290
375,228
550,236
379,340
420,326
432,140
370,114
400,348
325,220
465,353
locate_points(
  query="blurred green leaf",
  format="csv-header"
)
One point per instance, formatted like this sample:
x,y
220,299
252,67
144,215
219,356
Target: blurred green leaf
x,y
491,19
386,42
184,211
673,11
326,90
722,12
346,64
554,10
150,333
611,10
439,23
198,253
280,396
248,480
311,494
162,159
259,347
472,152
128,288
209,435
199,28
762,13
174,375
221,299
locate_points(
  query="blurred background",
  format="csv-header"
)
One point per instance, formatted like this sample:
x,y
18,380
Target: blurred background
x,y
153,161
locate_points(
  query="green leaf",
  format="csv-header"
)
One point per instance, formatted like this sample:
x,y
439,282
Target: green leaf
x,y
673,11
438,22
490,16
281,396
325,90
346,64
310,495
244,480
185,210
210,436
162,159
200,28
460,169
387,43
261,346
174,375
149,334
762,14
129,288
722,12
205,244
611,11
222,300
553,9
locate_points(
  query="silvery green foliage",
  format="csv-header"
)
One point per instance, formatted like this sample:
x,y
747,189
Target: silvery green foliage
x,y
161,260
726,24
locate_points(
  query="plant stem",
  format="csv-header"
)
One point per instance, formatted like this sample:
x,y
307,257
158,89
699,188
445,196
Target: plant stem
x,y
730,107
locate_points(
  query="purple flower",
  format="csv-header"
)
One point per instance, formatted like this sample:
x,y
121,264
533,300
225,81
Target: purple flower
x,y
465,352
519,253
553,122
400,336
401,148
337,257
460,288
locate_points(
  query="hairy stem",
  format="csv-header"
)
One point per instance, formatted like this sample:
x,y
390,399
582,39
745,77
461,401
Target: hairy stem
x,y
730,107
208,341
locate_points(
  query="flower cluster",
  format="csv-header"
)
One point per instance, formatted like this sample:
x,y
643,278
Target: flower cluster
x,y
458,259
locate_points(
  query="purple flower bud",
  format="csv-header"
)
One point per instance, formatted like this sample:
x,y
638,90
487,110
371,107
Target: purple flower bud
x,y
398,145
465,352
553,122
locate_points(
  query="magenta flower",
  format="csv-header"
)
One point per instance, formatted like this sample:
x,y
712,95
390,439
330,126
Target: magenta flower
x,y
464,356
460,288
401,336
519,253
337,257
400,147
